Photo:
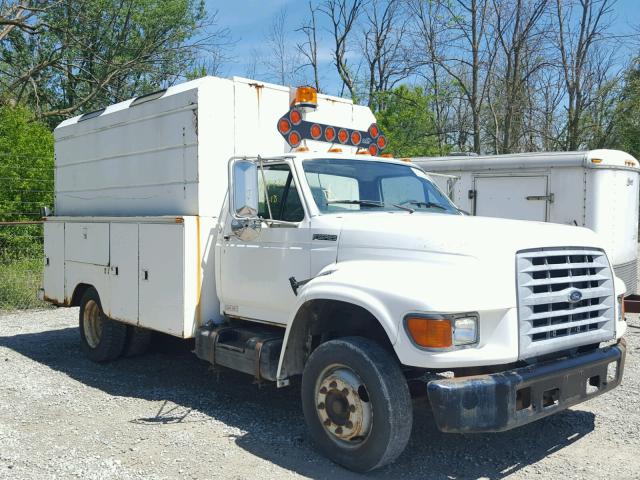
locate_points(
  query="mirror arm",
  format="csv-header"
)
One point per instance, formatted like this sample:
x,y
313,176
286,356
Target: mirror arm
x,y
266,188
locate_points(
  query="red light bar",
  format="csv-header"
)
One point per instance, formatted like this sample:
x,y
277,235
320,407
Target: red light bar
x,y
298,130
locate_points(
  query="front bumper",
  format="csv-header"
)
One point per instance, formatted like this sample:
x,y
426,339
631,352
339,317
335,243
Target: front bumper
x,y
505,400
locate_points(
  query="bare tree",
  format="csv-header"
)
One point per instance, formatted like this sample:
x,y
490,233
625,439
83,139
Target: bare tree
x,y
576,41
516,30
426,31
342,15
309,47
466,55
383,47
281,63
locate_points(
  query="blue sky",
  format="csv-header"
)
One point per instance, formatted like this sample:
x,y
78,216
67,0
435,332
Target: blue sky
x,y
249,21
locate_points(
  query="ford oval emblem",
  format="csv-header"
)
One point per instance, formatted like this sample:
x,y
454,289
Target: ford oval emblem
x,y
575,296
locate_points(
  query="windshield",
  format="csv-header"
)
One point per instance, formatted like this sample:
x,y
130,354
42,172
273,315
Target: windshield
x,y
340,185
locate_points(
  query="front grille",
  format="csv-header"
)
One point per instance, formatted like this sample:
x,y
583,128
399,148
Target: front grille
x,y
550,320
628,273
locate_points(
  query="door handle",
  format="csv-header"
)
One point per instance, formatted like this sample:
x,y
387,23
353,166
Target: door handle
x,y
549,198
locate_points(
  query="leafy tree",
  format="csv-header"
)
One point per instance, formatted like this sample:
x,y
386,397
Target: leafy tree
x,y
88,54
407,121
26,180
627,117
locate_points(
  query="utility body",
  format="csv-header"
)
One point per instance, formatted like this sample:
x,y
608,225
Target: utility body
x,y
260,221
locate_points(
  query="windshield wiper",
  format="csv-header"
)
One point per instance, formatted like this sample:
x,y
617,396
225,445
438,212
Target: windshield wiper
x,y
366,203
424,204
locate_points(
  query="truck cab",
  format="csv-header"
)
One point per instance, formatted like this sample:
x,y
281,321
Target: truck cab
x,y
330,266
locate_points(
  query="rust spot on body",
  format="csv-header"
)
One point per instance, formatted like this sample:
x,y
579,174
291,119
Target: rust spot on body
x,y
258,88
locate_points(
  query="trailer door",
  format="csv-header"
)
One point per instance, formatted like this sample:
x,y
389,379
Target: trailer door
x,y
515,197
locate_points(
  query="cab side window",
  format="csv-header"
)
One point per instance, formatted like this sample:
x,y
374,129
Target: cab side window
x,y
281,192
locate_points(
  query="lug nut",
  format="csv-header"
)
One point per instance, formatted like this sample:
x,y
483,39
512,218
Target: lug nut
x,y
333,384
345,391
352,408
327,422
339,431
323,390
321,406
349,424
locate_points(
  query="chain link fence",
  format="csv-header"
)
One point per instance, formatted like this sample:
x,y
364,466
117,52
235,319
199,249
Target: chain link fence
x,y
24,191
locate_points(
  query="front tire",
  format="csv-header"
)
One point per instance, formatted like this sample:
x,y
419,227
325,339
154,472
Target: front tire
x,y
101,338
356,403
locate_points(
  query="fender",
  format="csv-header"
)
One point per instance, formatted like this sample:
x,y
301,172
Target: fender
x,y
387,289
335,282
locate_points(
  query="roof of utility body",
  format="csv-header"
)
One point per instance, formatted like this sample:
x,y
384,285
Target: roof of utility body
x,y
183,87
587,158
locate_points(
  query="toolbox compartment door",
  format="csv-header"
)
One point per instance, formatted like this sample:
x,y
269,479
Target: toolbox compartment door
x,y
161,277
123,272
54,261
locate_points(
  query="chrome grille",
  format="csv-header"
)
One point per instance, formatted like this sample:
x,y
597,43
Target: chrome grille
x,y
550,320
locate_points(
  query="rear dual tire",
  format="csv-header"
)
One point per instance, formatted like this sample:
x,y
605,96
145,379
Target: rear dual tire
x,y
103,339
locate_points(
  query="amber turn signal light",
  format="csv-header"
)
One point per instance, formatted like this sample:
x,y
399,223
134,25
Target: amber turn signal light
x,y
430,332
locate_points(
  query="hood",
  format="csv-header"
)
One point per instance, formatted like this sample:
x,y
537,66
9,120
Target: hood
x,y
430,256
456,234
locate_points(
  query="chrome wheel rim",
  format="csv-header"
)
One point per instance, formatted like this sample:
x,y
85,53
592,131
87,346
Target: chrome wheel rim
x,y
343,406
92,323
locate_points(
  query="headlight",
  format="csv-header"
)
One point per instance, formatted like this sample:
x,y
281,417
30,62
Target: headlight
x,y
439,331
465,331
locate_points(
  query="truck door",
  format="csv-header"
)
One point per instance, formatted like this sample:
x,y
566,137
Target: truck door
x,y
254,275
515,197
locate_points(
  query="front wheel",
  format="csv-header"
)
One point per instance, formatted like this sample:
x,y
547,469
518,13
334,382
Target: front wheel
x,y
356,403
102,339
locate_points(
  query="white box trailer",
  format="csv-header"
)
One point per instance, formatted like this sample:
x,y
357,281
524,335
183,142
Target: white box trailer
x,y
597,189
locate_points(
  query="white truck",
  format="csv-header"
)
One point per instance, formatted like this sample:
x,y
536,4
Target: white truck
x,y
264,223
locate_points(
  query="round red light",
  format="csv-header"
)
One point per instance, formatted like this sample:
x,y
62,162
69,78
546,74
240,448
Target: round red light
x,y
374,131
343,135
316,131
373,149
284,126
294,139
356,137
329,134
295,116
382,142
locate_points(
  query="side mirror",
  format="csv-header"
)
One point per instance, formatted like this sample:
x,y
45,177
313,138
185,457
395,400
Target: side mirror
x,y
243,199
244,189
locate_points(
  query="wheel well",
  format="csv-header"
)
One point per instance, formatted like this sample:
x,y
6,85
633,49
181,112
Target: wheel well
x,y
319,321
78,293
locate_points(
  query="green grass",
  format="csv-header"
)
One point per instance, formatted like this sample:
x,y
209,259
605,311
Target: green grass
x,y
19,284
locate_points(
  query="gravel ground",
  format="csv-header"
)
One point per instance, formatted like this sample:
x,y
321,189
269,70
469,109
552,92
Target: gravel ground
x,y
167,415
